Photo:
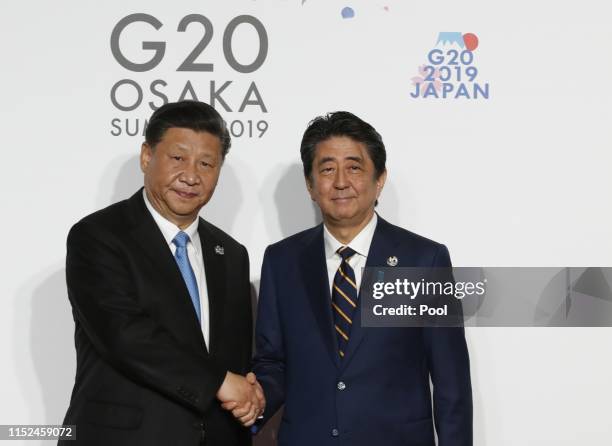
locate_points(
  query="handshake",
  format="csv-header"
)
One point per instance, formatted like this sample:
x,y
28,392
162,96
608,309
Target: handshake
x,y
243,396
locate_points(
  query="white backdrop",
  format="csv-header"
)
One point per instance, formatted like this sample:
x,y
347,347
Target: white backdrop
x,y
521,178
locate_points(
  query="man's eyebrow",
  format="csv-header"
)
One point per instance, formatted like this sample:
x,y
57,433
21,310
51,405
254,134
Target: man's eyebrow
x,y
185,148
349,158
354,158
326,159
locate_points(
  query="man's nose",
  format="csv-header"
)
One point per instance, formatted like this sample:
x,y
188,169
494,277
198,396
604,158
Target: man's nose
x,y
340,180
190,174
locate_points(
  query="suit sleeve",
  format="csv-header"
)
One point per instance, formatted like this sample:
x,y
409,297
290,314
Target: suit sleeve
x,y
104,300
269,363
449,368
248,312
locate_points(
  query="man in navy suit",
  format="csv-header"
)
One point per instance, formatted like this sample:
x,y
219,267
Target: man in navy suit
x,y
341,383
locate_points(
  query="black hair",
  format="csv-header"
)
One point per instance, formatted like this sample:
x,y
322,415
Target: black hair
x,y
194,115
342,123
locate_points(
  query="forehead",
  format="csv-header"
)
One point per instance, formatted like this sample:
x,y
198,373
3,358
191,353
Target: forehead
x,y
339,148
184,138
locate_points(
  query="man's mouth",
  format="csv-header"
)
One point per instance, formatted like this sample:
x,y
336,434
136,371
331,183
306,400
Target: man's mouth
x,y
185,194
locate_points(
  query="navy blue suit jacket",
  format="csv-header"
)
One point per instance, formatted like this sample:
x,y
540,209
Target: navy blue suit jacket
x,y
379,393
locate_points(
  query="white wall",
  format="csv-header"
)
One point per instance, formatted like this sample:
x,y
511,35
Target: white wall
x,y
519,179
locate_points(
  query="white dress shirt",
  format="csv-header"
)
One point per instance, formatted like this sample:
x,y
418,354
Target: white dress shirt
x,y
360,244
194,252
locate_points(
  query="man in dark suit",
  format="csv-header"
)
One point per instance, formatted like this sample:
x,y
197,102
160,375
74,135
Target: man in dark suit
x,y
341,383
161,301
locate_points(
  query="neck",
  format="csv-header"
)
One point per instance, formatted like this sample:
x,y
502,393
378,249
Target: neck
x,y
183,224
345,233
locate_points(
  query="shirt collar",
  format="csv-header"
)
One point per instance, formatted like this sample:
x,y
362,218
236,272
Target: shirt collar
x,y
360,244
167,228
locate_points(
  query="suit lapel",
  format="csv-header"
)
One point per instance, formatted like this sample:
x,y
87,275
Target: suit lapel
x,y
315,281
214,267
178,309
380,250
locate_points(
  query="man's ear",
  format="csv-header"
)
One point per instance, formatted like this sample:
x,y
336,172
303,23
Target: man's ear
x,y
380,182
146,153
309,187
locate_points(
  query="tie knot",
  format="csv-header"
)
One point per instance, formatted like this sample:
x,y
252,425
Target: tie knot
x,y
345,252
180,240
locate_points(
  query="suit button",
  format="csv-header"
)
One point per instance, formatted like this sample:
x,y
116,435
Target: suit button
x,y
198,425
335,432
341,385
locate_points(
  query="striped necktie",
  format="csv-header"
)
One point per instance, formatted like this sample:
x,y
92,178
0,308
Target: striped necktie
x,y
344,299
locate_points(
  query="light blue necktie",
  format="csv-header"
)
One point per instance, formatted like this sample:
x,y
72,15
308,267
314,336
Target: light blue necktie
x,y
182,260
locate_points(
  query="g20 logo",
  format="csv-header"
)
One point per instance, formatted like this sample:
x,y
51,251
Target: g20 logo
x,y
194,61
451,73
190,64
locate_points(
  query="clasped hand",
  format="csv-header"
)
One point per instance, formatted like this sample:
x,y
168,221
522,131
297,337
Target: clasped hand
x,y
243,396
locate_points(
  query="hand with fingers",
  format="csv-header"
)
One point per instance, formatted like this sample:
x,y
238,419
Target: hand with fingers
x,y
243,396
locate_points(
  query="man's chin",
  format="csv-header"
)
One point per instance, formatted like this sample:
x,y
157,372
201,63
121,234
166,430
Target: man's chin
x,y
346,210
185,212
342,217
346,218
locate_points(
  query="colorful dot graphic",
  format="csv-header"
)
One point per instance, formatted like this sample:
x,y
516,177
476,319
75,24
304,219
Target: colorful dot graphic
x,y
471,41
347,12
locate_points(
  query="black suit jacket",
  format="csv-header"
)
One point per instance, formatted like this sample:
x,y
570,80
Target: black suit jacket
x,y
144,375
